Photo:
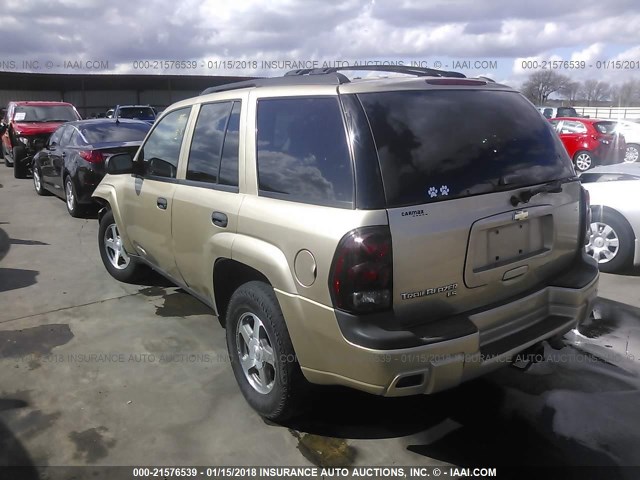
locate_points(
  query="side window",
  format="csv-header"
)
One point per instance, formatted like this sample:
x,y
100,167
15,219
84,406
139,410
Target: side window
x,y
55,136
66,136
161,151
229,167
548,112
206,146
302,151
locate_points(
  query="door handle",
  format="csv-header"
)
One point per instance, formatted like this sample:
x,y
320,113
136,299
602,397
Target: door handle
x,y
219,219
162,203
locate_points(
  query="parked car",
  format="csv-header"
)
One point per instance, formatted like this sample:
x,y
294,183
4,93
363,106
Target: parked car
x,y
591,141
136,112
72,162
615,215
26,128
631,132
554,112
342,235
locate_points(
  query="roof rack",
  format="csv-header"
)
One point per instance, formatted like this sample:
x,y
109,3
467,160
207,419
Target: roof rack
x,y
417,71
329,76
330,79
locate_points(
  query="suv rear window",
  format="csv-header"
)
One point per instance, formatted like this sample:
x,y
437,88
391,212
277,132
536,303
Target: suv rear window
x,y
567,112
302,151
437,145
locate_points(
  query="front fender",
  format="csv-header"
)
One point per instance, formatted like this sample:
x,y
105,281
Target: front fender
x,y
106,192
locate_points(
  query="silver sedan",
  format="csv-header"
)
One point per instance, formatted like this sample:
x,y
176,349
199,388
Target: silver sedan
x,y
615,215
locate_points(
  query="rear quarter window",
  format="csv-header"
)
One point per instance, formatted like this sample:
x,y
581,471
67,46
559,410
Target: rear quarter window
x,y
436,145
302,151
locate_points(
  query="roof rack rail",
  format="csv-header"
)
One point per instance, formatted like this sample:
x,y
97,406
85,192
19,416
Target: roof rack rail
x,y
330,79
417,71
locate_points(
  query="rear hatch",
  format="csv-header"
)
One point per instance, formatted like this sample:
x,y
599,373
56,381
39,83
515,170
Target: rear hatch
x,y
454,162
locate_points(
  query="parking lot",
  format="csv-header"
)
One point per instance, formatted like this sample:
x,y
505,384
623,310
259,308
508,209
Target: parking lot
x,y
97,372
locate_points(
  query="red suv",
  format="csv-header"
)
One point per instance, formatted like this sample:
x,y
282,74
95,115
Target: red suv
x,y
590,141
26,127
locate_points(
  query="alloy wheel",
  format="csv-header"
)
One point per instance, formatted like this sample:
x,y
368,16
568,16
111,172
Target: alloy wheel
x,y
255,352
583,162
113,247
632,154
36,179
71,200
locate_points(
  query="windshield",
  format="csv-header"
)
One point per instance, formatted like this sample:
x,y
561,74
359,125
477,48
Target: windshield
x,y
460,143
112,132
140,113
45,113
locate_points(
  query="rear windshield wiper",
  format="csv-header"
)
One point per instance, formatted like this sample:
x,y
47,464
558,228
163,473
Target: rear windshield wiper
x,y
524,196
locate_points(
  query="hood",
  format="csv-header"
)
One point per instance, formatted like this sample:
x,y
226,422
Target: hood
x,y
35,128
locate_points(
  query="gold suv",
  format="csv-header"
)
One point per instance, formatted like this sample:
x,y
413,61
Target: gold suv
x,y
396,235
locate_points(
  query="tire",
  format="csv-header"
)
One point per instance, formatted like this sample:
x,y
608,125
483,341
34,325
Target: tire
x,y
128,270
71,198
606,228
632,154
280,395
19,170
583,160
37,182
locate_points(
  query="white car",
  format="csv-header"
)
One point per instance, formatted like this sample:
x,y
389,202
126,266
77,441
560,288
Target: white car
x,y
631,132
615,215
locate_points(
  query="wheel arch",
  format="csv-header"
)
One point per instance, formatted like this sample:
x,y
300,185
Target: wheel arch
x,y
105,196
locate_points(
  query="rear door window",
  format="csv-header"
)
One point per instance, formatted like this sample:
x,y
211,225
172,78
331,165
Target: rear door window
x,y
440,144
302,151
206,145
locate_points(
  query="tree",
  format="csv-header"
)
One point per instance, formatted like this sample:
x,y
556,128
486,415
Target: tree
x,y
626,94
594,91
543,83
571,91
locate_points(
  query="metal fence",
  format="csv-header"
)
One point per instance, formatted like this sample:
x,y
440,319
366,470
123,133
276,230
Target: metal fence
x,y
628,113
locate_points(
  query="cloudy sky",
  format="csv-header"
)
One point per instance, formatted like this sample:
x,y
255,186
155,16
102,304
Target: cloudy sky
x,y
494,37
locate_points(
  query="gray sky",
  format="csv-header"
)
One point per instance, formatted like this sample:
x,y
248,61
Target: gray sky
x,y
62,35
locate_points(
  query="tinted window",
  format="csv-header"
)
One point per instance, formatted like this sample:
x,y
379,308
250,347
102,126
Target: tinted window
x,y
605,127
567,112
161,151
548,112
206,146
437,145
45,113
66,136
55,136
114,132
302,151
229,167
139,113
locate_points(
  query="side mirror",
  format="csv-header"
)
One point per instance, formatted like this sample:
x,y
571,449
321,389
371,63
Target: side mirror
x,y
119,164
3,128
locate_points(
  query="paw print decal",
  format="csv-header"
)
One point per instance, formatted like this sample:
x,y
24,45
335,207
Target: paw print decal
x,y
433,192
444,190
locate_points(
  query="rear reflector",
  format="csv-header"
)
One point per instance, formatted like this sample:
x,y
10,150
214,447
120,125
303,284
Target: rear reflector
x,y
92,156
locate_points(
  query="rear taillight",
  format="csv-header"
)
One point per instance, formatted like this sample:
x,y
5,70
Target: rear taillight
x,y
361,278
585,216
92,156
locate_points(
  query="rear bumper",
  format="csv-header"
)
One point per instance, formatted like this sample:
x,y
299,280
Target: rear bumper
x,y
331,350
